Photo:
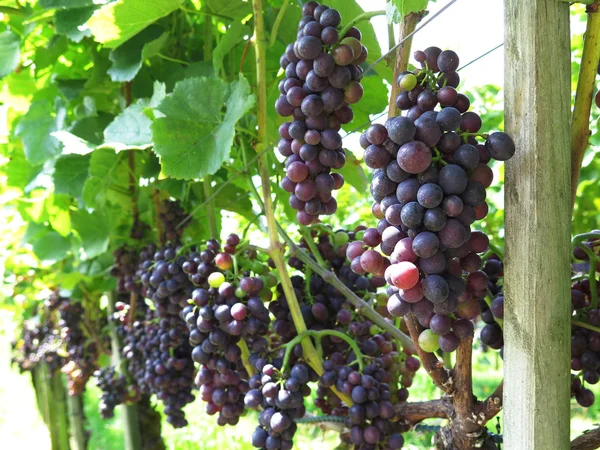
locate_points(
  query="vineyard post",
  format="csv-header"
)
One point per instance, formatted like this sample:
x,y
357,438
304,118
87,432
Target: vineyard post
x,y
77,422
131,427
536,325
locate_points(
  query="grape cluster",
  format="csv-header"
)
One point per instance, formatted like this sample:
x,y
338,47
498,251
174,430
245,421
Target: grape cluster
x,y
82,359
429,181
169,369
171,214
124,270
370,417
585,343
227,308
114,391
322,72
282,401
40,341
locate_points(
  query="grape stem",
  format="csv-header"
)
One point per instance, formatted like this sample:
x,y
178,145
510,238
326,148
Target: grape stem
x,y
586,81
581,324
246,357
311,245
433,366
408,25
362,306
364,16
275,248
277,23
289,347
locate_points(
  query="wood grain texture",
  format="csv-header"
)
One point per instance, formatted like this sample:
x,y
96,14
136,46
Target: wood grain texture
x,y
536,324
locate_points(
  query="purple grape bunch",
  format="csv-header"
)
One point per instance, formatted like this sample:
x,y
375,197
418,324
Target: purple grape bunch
x,y
430,175
322,73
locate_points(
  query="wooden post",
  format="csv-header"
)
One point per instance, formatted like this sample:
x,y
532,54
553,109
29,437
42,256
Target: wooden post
x,y
77,422
538,301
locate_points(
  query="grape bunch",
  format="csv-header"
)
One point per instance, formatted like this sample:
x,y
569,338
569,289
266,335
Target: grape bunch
x,y
430,173
370,417
40,341
124,270
171,214
281,397
82,359
114,390
169,369
227,308
585,342
322,73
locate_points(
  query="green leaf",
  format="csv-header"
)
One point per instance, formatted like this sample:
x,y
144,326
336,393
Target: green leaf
x,y
117,22
131,127
232,37
70,174
94,232
127,59
234,9
10,52
34,130
232,198
47,55
51,246
68,22
65,4
194,138
73,145
354,173
108,181
373,102
20,172
405,7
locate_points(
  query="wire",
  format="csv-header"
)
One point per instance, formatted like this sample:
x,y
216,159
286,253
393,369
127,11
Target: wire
x,y
481,56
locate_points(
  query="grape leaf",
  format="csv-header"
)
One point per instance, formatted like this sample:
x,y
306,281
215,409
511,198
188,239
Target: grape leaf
x,y
10,52
93,230
232,37
131,127
354,173
73,145
34,130
68,22
117,22
51,246
70,174
19,171
127,59
108,180
47,56
65,4
234,9
405,7
194,137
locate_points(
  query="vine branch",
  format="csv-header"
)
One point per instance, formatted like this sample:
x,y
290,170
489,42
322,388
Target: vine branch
x,y
580,123
433,366
589,440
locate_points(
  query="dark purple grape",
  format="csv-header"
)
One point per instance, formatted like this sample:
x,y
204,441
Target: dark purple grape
x,y
340,77
431,57
412,214
435,288
401,130
414,157
435,219
448,61
448,119
500,146
324,65
308,47
467,156
425,244
430,195
452,179
471,122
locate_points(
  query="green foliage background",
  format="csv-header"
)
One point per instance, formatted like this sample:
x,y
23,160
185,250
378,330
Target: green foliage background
x,y
83,83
